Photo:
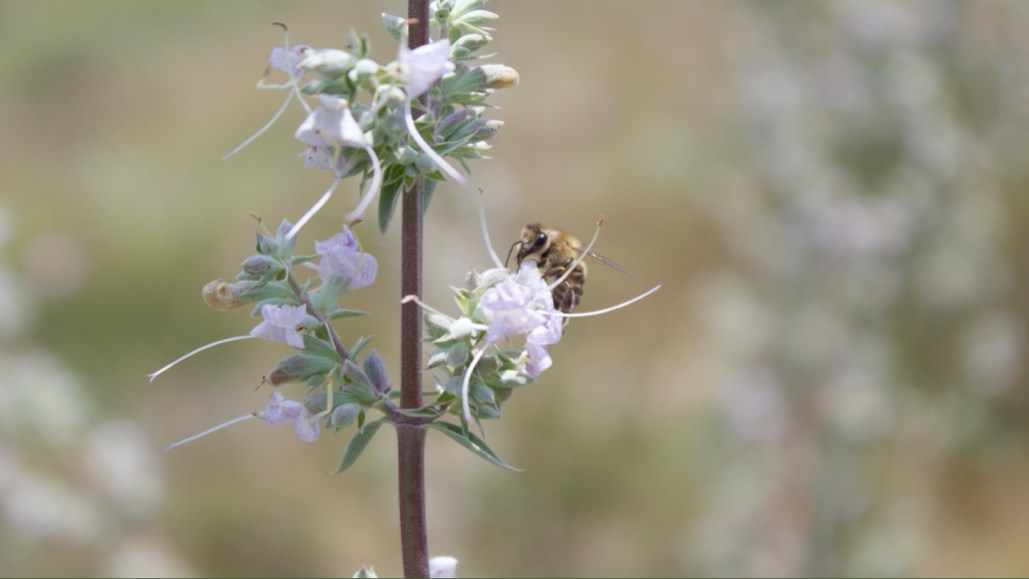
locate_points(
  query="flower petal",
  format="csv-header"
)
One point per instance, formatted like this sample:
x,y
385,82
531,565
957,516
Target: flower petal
x,y
341,258
306,427
280,410
425,65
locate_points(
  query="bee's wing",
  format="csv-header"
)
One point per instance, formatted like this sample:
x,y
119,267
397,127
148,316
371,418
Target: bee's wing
x,y
610,263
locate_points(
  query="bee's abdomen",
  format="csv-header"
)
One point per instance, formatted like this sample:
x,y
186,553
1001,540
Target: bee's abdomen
x,y
568,293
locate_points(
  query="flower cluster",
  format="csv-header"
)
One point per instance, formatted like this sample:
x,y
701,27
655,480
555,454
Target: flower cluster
x,y
391,124
396,122
298,314
499,341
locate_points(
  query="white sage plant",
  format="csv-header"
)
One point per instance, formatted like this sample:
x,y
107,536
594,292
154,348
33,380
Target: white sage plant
x,y
402,127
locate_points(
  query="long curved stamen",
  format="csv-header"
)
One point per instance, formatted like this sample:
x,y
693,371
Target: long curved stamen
x,y
294,90
485,231
465,386
571,267
373,189
150,377
440,163
610,309
314,209
424,306
261,131
168,447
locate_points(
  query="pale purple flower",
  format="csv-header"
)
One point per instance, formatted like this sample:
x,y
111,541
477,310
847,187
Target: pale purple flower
x,y
288,62
519,304
537,361
424,65
278,410
340,257
280,324
281,410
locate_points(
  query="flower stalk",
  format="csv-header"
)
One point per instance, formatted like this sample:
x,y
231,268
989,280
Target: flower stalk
x,y
411,438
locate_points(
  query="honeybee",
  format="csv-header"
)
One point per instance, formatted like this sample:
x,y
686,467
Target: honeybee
x,y
554,252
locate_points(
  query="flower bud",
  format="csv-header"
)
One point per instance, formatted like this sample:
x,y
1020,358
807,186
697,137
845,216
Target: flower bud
x,y
499,76
395,25
462,7
363,70
405,155
328,60
476,18
300,368
221,295
451,122
487,130
467,44
344,414
424,164
375,369
260,265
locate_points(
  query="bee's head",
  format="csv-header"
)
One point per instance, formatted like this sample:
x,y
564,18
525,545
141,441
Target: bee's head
x,y
533,244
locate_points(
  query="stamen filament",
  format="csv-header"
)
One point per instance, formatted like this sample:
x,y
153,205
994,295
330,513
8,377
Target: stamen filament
x,y
314,209
261,131
571,267
424,306
610,309
150,377
373,189
466,411
168,447
294,90
440,163
485,232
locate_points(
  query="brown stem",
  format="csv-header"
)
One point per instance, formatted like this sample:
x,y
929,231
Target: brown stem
x,y
411,438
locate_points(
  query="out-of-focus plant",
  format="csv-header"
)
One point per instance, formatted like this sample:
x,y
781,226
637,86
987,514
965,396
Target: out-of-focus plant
x,y
870,224
69,475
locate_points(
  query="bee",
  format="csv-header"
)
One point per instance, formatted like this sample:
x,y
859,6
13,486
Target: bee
x,y
554,252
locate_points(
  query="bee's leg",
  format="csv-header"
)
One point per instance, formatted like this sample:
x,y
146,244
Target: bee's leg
x,y
555,272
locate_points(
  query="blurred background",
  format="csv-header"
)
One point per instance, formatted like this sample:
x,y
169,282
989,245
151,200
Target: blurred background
x,y
831,381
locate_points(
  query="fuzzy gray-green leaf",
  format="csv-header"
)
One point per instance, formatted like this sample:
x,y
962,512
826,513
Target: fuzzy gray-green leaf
x,y
357,445
471,442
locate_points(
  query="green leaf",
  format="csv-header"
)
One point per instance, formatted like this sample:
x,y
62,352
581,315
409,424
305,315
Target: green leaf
x,y
437,358
388,196
360,343
395,25
325,297
428,188
423,412
301,368
471,442
357,444
345,313
318,347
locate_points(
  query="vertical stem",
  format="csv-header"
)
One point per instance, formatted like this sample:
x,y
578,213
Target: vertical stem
x,y
411,437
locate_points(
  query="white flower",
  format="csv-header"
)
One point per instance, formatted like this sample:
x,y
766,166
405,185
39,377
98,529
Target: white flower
x,y
423,66
443,567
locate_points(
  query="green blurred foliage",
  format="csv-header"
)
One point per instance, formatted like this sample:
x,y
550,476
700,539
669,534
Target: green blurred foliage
x,y
830,382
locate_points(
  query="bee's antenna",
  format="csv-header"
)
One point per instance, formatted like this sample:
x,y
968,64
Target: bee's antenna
x,y
510,251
